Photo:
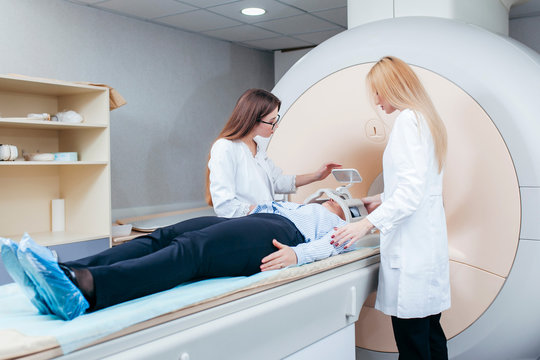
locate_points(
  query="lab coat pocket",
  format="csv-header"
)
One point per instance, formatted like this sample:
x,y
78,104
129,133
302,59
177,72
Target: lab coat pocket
x,y
395,261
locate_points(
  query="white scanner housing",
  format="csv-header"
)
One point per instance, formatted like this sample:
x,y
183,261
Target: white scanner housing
x,y
486,88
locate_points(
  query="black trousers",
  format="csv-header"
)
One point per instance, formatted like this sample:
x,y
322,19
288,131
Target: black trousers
x,y
420,338
194,249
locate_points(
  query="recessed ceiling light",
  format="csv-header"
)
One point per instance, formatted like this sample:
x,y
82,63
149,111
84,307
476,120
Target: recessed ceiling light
x,y
253,11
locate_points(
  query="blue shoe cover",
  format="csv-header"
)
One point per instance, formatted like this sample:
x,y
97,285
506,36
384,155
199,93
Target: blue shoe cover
x,y
63,298
15,270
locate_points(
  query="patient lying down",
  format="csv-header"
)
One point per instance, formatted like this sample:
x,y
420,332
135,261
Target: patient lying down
x,y
275,235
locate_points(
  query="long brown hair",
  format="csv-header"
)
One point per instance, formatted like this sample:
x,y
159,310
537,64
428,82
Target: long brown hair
x,y
253,105
396,82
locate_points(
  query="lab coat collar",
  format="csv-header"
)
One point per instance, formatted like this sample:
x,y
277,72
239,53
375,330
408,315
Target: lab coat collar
x,y
262,142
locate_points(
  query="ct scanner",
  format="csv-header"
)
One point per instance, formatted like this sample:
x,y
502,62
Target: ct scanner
x,y
487,90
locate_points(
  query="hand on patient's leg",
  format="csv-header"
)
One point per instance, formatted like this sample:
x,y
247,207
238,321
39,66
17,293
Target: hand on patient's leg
x,y
63,298
15,270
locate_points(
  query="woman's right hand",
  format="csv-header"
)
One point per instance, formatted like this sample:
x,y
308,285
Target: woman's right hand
x,y
325,170
350,233
372,202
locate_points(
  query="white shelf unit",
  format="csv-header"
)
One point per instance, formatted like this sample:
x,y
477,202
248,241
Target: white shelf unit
x,y
27,187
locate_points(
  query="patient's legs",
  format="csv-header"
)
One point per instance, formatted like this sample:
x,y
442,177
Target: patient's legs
x,y
229,247
136,248
146,244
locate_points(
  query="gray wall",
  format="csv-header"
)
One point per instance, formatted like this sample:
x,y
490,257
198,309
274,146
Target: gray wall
x,y
284,60
180,88
526,30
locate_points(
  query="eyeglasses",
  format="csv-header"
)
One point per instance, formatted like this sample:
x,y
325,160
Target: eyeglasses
x,y
271,123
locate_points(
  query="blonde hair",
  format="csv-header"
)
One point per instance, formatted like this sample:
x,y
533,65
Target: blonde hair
x,y
395,81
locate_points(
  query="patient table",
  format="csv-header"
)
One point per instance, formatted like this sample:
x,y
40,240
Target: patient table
x,y
269,315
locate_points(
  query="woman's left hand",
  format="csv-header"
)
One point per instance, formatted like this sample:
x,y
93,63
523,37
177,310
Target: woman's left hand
x,y
351,233
280,259
326,169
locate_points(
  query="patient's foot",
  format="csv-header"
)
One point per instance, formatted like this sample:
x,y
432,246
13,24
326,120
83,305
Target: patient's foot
x,y
63,298
83,279
15,270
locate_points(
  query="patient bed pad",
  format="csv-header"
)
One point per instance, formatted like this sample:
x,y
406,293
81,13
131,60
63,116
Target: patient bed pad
x,y
23,331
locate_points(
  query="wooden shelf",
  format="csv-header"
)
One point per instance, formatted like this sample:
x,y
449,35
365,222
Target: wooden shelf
x,y
49,238
30,85
27,187
41,124
51,163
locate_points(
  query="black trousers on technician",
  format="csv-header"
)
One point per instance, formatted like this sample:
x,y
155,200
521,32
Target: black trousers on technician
x,y
420,338
199,248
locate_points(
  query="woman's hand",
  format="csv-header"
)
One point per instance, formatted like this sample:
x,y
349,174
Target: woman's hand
x,y
325,170
320,174
372,202
280,259
351,233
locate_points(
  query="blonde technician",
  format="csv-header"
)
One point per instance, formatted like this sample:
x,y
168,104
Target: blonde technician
x,y
414,285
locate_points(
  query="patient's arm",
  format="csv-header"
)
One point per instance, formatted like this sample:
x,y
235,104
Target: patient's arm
x,y
317,249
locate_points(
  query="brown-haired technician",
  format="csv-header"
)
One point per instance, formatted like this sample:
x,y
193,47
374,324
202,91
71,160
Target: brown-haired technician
x,y
239,173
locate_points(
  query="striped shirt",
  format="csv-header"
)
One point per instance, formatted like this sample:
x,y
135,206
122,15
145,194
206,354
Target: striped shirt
x,y
315,222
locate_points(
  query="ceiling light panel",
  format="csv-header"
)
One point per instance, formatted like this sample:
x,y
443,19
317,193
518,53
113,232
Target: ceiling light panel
x,y
273,9
253,11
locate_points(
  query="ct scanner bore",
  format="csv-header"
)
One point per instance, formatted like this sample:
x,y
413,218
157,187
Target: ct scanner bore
x,y
492,177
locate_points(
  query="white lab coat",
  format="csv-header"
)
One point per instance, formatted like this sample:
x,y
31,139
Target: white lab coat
x,y
414,271
238,179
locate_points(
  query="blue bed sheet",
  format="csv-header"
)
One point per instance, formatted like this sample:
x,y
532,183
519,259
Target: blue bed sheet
x,y
16,311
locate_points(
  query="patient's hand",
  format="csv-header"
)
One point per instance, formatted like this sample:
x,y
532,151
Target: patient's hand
x,y
280,259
